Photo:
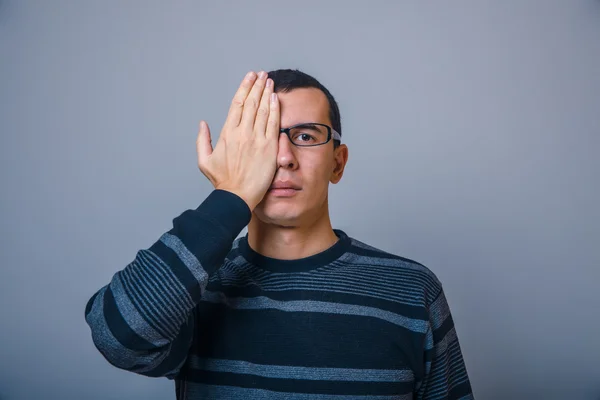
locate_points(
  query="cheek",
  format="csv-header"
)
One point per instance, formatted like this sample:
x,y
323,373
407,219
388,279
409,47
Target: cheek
x,y
317,180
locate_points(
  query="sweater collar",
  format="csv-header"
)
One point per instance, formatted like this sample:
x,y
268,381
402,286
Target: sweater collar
x,y
299,265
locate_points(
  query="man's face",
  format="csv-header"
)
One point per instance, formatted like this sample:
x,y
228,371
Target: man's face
x,y
310,168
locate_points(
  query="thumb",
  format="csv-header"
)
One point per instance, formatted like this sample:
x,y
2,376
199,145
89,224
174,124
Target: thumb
x,y
203,142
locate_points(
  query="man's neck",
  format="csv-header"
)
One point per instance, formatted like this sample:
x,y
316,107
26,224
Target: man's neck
x,y
290,243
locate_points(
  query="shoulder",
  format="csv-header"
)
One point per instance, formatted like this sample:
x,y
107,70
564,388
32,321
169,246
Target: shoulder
x,y
396,268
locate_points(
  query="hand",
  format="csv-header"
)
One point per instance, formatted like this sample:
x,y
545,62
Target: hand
x,y
244,160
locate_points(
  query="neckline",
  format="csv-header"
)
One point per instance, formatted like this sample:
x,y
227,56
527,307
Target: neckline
x,y
298,265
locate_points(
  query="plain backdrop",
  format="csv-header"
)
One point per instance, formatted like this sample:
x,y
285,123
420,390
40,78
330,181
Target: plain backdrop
x,y
473,132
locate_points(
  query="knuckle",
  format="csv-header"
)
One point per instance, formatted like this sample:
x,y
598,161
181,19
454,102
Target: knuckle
x,y
237,102
262,111
251,102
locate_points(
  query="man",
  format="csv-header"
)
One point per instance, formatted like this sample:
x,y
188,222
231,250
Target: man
x,y
294,309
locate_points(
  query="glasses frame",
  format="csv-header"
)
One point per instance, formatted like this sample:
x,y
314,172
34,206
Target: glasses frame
x,y
331,134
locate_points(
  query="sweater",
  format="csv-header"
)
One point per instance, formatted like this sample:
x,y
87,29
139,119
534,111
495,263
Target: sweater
x,y
202,308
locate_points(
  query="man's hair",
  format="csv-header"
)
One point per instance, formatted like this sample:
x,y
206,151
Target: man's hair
x,y
286,80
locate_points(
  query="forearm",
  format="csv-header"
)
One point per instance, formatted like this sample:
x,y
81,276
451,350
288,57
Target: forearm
x,y
142,320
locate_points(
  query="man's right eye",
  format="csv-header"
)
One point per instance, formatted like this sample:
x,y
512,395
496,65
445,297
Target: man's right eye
x,y
304,137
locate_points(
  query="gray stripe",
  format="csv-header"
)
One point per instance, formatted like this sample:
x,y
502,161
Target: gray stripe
x,y
397,273
186,256
148,299
389,262
363,245
133,291
392,278
213,392
442,346
170,308
364,280
347,282
134,319
409,280
240,260
263,302
408,284
164,273
111,348
299,372
441,389
396,287
439,311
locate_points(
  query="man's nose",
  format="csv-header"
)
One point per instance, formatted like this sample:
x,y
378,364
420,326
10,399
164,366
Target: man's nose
x,y
286,156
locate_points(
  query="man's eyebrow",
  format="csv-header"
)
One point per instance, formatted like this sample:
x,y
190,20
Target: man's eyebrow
x,y
312,125
309,125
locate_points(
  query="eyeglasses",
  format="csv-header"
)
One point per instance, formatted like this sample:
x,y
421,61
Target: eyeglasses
x,y
310,134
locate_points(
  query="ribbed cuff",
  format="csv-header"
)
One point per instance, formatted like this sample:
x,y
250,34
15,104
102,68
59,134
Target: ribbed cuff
x,y
227,209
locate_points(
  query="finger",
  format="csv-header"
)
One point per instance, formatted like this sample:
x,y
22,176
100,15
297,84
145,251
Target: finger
x,y
262,114
203,143
252,101
237,104
272,131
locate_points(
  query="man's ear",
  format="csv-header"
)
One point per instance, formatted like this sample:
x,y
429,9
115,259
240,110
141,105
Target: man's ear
x,y
340,157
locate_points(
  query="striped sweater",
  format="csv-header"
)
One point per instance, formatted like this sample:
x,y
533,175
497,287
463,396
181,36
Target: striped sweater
x,y
204,309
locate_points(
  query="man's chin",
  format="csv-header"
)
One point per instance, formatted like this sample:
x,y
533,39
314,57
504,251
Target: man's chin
x,y
275,214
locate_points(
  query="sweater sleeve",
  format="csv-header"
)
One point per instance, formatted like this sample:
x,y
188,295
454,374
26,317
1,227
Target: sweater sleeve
x,y
143,320
445,371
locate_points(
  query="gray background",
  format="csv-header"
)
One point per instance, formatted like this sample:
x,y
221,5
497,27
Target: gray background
x,y
473,134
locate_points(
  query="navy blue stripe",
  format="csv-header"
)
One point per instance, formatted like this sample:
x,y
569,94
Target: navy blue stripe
x,y
209,231
441,332
332,340
460,390
119,327
178,268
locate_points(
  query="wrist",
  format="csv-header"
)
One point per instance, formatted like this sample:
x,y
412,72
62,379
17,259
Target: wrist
x,y
247,199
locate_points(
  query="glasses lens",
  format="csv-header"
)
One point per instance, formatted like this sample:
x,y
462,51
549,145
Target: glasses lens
x,y
308,135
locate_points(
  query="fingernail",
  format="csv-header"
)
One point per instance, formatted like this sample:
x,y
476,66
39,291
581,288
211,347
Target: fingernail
x,y
250,75
273,97
262,75
269,83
